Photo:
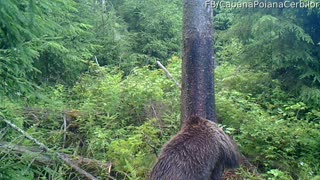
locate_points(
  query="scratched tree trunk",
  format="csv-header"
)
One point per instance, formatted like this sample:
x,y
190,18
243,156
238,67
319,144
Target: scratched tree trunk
x,y
197,66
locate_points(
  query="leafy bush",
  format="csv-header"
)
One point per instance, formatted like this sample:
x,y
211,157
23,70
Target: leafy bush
x,y
272,129
126,119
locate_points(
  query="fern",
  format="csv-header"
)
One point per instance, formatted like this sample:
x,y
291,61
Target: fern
x,y
132,171
300,34
310,94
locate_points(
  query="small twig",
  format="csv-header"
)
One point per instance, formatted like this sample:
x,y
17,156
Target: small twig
x,y
64,129
109,168
168,74
156,116
45,148
154,110
3,132
95,57
154,149
35,117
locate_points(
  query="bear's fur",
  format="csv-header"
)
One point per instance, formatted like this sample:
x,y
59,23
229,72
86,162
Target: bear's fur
x,y
200,151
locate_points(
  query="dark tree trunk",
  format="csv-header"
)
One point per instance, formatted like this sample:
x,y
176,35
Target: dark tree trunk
x,y
197,66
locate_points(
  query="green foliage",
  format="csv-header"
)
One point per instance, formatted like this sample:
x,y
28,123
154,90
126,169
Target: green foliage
x,y
277,133
278,42
267,139
23,166
15,170
114,112
40,43
100,91
134,155
52,42
114,40
12,111
64,54
126,120
92,65
155,28
135,33
231,77
274,174
17,50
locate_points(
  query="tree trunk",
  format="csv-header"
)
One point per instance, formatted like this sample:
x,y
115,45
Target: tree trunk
x,y
103,15
197,93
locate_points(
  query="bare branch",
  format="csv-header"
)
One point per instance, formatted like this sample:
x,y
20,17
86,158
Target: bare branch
x,y
69,162
37,154
41,158
64,129
3,131
168,74
95,57
63,157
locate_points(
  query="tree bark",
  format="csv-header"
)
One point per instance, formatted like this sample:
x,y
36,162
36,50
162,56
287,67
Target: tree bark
x,y
197,93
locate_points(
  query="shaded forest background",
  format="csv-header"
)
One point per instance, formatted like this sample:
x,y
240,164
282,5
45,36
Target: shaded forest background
x,y
91,65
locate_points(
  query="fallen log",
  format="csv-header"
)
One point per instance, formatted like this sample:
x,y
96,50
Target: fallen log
x,y
39,157
61,156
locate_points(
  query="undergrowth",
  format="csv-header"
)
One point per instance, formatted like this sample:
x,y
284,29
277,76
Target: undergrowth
x,y
125,120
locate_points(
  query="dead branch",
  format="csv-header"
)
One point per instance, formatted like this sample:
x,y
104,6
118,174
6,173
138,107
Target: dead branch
x,y
92,162
36,114
168,74
3,131
64,129
95,58
43,158
64,158
38,155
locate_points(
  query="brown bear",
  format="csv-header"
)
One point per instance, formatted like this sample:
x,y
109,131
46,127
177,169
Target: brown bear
x,y
200,151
